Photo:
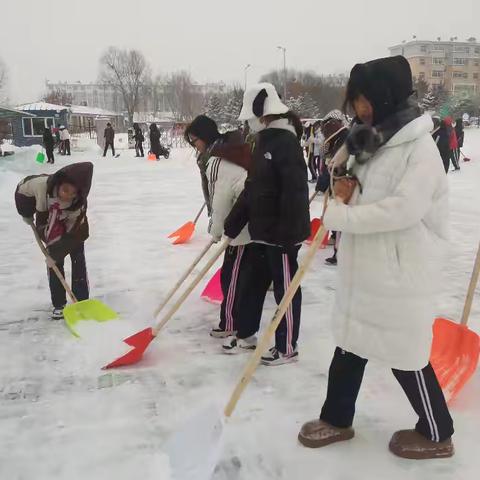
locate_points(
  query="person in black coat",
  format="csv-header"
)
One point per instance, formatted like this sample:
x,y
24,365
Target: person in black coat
x,y
49,144
109,136
155,146
441,136
139,139
275,205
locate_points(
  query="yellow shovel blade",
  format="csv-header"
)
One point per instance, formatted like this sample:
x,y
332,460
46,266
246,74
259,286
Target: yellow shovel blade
x,y
87,310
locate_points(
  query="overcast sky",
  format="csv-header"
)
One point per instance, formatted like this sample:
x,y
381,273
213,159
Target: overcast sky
x,y
214,39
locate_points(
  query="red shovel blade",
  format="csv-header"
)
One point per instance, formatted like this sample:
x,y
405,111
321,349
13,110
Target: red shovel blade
x,y
315,224
139,341
454,356
183,234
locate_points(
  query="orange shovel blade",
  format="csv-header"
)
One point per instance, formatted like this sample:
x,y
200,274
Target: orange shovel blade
x,y
139,341
183,234
454,355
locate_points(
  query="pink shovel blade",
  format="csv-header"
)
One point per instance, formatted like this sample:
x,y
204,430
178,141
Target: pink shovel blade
x,y
183,234
213,290
139,341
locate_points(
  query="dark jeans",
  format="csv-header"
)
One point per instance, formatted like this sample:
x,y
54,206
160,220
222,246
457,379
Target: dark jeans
x,y
421,387
50,156
139,148
79,279
66,147
109,144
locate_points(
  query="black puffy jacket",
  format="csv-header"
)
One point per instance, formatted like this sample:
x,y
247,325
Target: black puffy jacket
x,y
275,200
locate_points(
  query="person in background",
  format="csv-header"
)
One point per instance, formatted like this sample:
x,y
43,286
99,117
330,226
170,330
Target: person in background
x,y
318,140
441,136
109,136
460,137
335,132
155,146
49,144
392,210
65,139
139,139
59,204
453,143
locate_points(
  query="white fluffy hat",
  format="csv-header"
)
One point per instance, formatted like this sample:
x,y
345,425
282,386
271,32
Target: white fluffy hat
x,y
259,100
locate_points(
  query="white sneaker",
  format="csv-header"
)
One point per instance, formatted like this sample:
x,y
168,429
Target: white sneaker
x,y
219,333
274,357
57,314
234,345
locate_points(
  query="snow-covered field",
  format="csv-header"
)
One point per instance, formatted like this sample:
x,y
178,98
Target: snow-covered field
x,y
61,417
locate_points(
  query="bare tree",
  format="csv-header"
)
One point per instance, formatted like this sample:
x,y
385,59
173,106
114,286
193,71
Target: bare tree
x,y
58,96
127,71
184,98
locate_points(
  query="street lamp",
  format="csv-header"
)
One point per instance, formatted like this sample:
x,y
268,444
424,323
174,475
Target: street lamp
x,y
284,72
245,72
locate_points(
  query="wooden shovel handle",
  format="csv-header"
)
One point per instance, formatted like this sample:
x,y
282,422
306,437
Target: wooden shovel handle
x,y
471,289
277,317
199,213
54,267
156,329
312,197
182,279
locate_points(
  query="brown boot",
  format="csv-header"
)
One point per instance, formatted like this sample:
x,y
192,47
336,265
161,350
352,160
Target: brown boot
x,y
317,433
410,444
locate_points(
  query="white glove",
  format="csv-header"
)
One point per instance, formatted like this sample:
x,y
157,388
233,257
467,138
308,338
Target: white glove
x,y
28,220
216,238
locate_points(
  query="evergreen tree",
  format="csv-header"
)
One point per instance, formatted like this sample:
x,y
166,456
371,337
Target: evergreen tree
x,y
429,101
215,108
233,106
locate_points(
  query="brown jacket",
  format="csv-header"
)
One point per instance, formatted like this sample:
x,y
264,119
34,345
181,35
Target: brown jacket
x,y
34,194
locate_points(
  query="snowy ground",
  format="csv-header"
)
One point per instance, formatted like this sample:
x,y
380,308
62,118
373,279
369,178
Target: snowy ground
x,y
61,417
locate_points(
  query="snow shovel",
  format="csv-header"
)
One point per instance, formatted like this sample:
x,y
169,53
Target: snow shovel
x,y
40,158
465,159
185,232
455,348
141,340
85,309
213,291
202,435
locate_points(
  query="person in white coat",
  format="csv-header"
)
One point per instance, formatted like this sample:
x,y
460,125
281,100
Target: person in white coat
x,y
393,217
65,139
225,181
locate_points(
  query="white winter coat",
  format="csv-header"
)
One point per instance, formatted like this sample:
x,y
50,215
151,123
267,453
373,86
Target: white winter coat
x,y
225,184
64,134
393,238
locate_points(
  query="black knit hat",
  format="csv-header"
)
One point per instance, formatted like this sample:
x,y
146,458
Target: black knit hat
x,y
204,128
386,83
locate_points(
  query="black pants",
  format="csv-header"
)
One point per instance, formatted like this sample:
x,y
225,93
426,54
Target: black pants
x,y
49,152
269,263
453,157
79,279
66,147
446,162
139,148
421,387
241,304
311,166
109,144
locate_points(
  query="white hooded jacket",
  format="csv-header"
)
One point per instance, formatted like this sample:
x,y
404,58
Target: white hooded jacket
x,y
225,184
393,239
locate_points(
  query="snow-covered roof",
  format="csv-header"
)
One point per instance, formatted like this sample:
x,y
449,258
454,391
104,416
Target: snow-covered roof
x,y
6,113
82,110
41,106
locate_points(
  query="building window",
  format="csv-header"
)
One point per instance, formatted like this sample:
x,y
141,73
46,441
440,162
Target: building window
x,y
459,48
421,75
437,61
437,73
475,76
477,63
422,61
423,48
437,48
460,61
34,127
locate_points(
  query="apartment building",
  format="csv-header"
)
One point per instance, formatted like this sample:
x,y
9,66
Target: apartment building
x,y
454,64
